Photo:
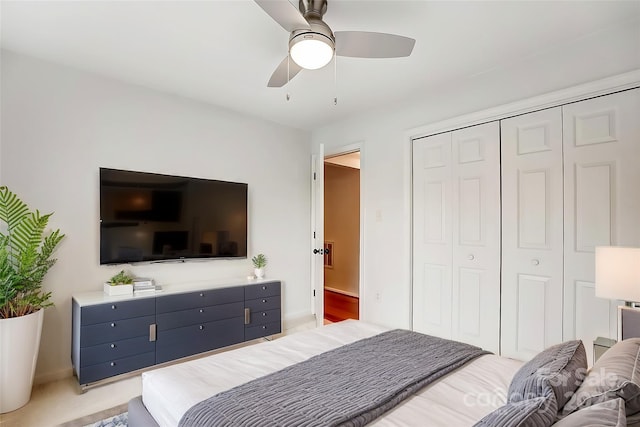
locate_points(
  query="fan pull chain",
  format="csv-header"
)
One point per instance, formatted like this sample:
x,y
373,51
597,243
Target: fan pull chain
x,y
335,79
288,75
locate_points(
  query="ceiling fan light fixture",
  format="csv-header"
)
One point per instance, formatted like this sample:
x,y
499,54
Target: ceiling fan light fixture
x,y
311,50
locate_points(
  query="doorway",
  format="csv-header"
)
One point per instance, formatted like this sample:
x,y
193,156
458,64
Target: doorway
x,y
342,237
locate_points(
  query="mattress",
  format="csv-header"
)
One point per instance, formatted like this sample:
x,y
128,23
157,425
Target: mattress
x,y
458,399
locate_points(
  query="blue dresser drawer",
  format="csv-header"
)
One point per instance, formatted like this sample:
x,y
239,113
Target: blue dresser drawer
x,y
115,350
115,331
262,317
262,304
259,331
110,368
193,316
102,313
181,342
169,303
262,290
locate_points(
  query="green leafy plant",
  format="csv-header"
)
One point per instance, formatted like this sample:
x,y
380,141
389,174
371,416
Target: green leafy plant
x,y
25,256
259,261
121,278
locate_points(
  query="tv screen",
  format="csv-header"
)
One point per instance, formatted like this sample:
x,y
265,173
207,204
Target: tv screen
x,y
152,217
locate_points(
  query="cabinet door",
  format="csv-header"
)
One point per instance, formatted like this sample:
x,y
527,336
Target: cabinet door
x,y
476,235
532,223
432,235
602,202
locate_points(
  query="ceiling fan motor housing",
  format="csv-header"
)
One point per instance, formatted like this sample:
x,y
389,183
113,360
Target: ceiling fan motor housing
x,y
313,8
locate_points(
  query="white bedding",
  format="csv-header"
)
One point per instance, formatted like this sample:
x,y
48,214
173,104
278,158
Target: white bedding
x,y
458,399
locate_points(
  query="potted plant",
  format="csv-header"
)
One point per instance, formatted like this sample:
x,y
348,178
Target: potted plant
x,y
259,263
119,284
25,258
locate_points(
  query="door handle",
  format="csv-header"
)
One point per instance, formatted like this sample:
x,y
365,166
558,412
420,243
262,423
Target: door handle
x,y
319,251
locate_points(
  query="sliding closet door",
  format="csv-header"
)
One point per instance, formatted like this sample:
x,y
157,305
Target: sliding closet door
x,y
432,235
532,223
476,235
602,202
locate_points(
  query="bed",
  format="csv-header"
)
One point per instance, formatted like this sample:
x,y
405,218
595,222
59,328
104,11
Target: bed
x,y
462,397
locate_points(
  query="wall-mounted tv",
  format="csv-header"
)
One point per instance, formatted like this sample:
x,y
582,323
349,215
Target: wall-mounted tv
x,y
147,217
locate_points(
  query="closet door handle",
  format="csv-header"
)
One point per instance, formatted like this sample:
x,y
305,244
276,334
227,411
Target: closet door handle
x,y
471,257
535,261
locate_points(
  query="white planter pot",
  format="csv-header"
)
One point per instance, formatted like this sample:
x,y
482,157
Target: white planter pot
x,y
19,345
118,289
259,272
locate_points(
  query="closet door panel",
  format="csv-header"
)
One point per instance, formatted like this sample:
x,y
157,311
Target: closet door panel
x,y
476,235
602,202
432,241
532,227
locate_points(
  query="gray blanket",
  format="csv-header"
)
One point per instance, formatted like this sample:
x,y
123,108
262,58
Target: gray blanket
x,y
348,386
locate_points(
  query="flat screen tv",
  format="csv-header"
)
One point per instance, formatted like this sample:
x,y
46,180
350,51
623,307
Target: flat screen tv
x,y
147,217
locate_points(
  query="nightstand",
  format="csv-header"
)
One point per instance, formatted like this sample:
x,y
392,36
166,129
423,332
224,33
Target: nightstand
x,y
600,346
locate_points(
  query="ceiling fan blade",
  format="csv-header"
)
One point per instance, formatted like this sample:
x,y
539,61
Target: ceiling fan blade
x,y
285,14
286,71
362,44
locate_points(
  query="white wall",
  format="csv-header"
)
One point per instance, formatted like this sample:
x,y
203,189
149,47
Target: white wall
x,y
60,125
386,171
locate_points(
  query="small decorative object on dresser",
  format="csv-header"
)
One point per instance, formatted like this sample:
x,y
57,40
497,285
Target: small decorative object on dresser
x,y
25,259
259,263
119,284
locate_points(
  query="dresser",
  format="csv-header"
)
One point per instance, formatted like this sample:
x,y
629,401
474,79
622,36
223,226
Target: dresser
x,y
118,335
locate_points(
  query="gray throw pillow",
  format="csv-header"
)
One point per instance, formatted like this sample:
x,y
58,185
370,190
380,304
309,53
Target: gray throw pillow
x,y
561,367
537,412
606,414
615,375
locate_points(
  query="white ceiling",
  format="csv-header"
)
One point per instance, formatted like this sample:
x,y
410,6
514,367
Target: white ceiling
x,y
223,52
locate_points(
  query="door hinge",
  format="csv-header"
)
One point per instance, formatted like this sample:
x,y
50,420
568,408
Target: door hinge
x,y
314,234
314,176
314,292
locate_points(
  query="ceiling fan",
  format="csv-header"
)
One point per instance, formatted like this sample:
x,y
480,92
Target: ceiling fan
x,y
312,44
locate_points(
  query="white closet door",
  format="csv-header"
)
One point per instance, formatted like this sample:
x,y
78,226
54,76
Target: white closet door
x,y
602,202
432,238
476,235
532,222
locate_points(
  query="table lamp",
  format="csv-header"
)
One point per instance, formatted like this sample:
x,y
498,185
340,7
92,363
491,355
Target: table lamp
x,y
618,277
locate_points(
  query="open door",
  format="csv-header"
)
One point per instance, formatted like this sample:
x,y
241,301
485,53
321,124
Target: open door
x,y
317,234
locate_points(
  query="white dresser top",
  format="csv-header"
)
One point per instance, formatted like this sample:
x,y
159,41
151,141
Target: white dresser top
x,y
99,297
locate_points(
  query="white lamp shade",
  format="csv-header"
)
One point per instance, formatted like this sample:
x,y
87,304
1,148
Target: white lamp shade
x,y
311,53
618,273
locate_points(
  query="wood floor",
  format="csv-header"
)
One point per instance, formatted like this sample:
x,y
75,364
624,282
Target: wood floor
x,y
338,306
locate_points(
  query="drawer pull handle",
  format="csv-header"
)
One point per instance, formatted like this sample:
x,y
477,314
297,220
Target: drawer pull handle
x,y
201,327
152,332
113,325
113,346
201,294
247,316
112,363
264,314
264,300
264,327
202,310
264,288
113,307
